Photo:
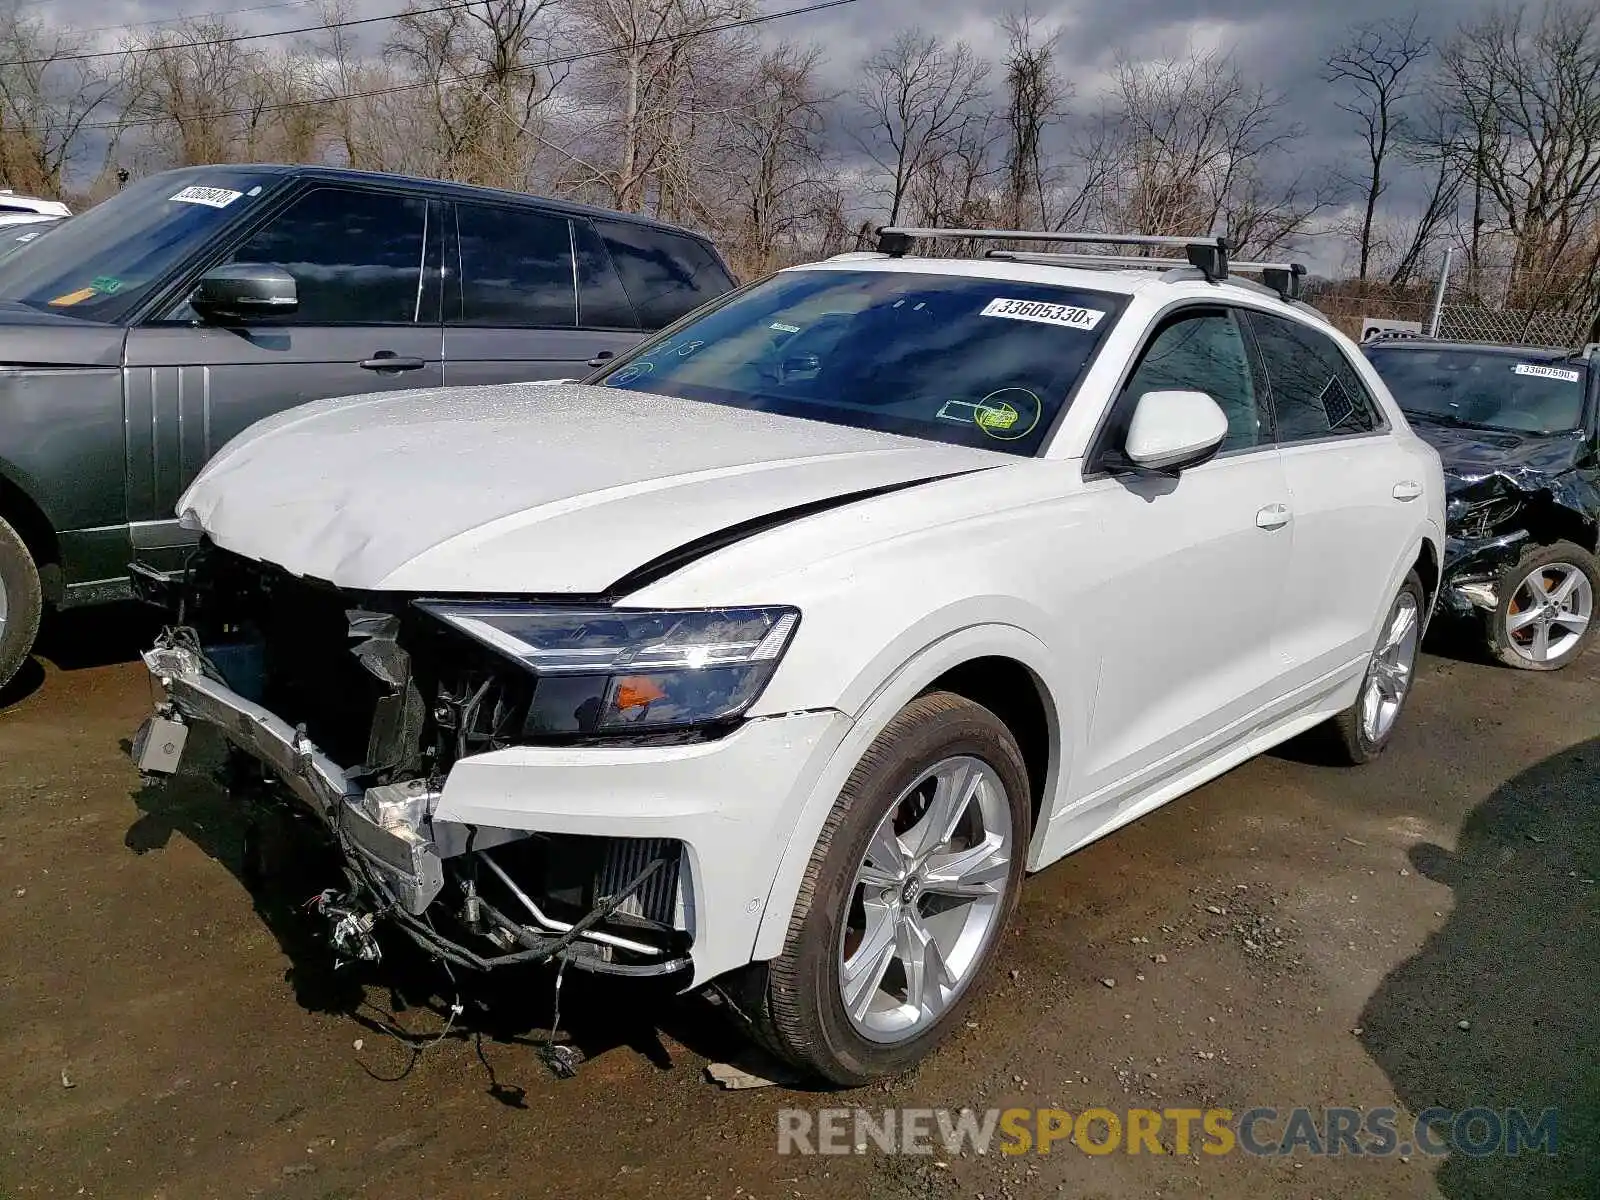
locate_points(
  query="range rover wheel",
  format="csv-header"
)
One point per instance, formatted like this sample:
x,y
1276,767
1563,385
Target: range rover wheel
x,y
914,876
1364,729
1546,613
21,602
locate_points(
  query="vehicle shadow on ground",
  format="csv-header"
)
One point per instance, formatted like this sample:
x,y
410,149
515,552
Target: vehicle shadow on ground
x,y
1516,960
81,638
282,863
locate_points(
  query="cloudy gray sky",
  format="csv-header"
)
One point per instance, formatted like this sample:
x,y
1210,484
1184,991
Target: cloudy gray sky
x,y
1280,42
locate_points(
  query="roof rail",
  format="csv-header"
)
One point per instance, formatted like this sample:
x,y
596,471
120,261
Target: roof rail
x,y
1208,254
1391,335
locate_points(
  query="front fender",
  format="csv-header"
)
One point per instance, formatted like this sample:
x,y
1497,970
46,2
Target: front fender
x,y
882,694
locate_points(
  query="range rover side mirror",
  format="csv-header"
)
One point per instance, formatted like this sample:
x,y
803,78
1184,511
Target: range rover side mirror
x,y
1173,431
242,291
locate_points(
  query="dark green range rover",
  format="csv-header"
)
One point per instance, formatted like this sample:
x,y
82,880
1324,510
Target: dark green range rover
x,y
138,338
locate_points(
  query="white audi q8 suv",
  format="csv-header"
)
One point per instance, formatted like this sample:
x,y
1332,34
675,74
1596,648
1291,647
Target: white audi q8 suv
x,y
777,652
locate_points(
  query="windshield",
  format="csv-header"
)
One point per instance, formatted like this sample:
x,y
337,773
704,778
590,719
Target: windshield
x,y
978,362
100,265
1486,389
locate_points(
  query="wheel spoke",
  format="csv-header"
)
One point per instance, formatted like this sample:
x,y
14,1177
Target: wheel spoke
x,y
1521,620
1404,621
1541,642
953,791
1565,588
1573,622
886,859
980,871
927,973
864,970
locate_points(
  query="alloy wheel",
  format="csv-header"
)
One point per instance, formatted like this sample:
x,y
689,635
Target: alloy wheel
x,y
1549,612
1390,672
927,897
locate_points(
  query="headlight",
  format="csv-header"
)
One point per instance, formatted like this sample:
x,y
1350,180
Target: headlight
x,y
609,669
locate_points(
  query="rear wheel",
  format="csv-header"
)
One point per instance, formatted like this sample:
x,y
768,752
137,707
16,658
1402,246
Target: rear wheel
x,y
1545,617
21,602
1361,731
915,874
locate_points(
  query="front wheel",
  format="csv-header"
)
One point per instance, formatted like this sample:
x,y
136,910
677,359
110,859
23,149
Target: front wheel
x,y
1545,617
899,915
21,602
1362,731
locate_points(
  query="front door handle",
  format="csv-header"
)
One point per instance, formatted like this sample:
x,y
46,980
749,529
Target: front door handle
x,y
1407,489
388,360
601,359
1273,516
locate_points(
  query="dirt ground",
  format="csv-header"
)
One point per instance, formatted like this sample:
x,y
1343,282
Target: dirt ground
x,y
1292,934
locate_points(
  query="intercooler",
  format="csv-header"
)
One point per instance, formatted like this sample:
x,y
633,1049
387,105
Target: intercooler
x,y
658,899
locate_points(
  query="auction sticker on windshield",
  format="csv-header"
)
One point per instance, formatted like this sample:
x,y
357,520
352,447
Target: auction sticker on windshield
x,y
1067,315
1561,373
211,197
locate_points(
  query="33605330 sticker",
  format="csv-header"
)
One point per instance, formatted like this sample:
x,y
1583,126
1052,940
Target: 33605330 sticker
x,y
1068,316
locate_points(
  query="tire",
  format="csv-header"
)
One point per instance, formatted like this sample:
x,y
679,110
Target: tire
x,y
1545,644
1360,733
21,603
795,1004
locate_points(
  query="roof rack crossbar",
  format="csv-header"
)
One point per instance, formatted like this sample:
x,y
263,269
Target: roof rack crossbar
x,y
1158,262
1209,254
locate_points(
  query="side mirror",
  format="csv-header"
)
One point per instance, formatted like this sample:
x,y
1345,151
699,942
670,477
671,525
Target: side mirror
x,y
1172,431
241,291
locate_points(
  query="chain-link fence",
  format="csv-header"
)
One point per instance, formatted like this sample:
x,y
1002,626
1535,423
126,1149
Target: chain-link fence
x,y
1478,306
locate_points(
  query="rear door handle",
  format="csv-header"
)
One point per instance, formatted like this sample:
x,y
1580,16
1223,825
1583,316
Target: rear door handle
x,y
1273,516
601,359
1407,489
388,360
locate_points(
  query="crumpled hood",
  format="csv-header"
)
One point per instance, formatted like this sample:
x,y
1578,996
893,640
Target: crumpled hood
x,y
525,488
1531,460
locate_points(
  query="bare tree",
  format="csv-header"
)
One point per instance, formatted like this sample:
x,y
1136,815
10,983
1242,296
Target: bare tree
x,y
644,93
775,153
47,99
1199,141
1427,145
1376,64
1035,100
484,83
1527,94
919,96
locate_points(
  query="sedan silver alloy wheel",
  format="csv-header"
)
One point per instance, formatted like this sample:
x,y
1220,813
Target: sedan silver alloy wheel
x,y
1393,664
928,895
1549,612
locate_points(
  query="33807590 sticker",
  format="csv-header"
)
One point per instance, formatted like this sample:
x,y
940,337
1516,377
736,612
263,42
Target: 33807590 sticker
x,y
1068,316
1565,374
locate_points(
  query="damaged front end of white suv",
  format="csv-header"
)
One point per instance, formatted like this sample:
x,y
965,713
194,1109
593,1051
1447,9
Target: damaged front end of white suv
x,y
360,705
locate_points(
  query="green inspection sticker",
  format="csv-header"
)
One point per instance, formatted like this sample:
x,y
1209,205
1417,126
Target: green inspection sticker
x,y
106,285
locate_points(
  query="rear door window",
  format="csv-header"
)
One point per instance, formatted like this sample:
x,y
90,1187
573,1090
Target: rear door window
x,y
602,302
516,268
1316,392
666,274
356,257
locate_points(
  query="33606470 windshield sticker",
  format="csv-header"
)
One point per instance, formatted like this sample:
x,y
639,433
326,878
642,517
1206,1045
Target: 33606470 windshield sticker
x,y
211,197
1565,374
1068,316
